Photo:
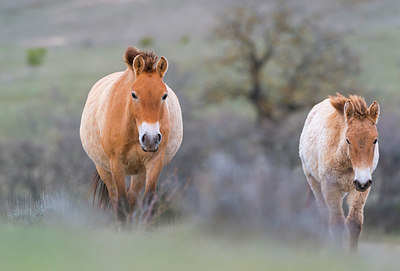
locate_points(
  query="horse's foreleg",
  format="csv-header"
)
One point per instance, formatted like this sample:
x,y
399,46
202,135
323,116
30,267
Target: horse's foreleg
x,y
316,189
137,183
121,208
152,174
334,200
354,221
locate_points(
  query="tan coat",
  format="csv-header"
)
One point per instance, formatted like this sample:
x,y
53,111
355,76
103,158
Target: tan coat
x,y
93,122
131,125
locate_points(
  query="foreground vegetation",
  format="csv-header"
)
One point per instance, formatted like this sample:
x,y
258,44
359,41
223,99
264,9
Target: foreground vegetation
x,y
171,248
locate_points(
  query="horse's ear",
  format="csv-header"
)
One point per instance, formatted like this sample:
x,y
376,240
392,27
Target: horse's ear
x,y
162,66
374,111
348,110
138,64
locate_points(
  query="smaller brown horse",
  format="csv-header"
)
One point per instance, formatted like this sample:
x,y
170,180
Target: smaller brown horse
x,y
339,151
131,125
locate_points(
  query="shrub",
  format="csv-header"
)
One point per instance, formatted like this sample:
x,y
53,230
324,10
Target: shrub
x,y
35,56
146,41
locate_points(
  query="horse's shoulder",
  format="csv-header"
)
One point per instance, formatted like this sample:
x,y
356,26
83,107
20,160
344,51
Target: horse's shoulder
x,y
317,140
316,120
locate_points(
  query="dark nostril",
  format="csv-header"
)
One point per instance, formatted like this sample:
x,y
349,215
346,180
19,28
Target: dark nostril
x,y
369,182
144,138
159,138
358,184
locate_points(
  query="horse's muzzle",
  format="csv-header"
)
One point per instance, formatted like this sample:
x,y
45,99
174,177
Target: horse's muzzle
x,y
362,187
150,143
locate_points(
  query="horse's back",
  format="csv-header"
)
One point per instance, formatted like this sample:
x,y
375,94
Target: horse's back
x,y
314,136
175,126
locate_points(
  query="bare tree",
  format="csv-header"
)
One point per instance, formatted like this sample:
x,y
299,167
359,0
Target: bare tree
x,y
287,62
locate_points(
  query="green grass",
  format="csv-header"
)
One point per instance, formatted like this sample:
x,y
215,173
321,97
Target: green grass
x,y
380,59
59,248
56,88
376,40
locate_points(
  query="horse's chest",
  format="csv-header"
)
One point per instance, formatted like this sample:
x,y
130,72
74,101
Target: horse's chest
x,y
345,182
135,159
343,179
338,171
132,161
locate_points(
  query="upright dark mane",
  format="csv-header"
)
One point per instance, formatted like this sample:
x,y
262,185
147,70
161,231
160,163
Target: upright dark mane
x,y
149,57
360,106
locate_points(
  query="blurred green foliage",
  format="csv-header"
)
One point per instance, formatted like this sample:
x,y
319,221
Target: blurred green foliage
x,y
185,39
146,42
35,56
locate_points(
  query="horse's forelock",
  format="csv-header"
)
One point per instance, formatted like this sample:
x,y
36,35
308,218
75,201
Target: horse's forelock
x,y
360,106
149,57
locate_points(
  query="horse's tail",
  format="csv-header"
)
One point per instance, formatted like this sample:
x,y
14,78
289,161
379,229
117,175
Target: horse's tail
x,y
98,188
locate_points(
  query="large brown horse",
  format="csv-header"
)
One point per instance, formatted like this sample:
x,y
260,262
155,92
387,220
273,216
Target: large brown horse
x,y
339,151
131,125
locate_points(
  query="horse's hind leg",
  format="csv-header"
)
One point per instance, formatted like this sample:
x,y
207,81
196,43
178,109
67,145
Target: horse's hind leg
x,y
316,189
354,221
121,208
111,187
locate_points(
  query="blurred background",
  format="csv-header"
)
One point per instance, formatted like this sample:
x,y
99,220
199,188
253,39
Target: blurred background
x,y
246,75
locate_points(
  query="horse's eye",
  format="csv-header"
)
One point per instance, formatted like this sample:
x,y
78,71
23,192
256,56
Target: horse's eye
x,y
164,97
348,142
376,140
134,95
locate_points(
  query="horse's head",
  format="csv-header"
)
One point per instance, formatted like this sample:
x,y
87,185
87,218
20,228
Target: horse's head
x,y
148,101
362,140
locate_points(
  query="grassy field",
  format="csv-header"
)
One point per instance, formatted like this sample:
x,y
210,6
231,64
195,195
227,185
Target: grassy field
x,y
175,248
58,87
375,39
60,234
